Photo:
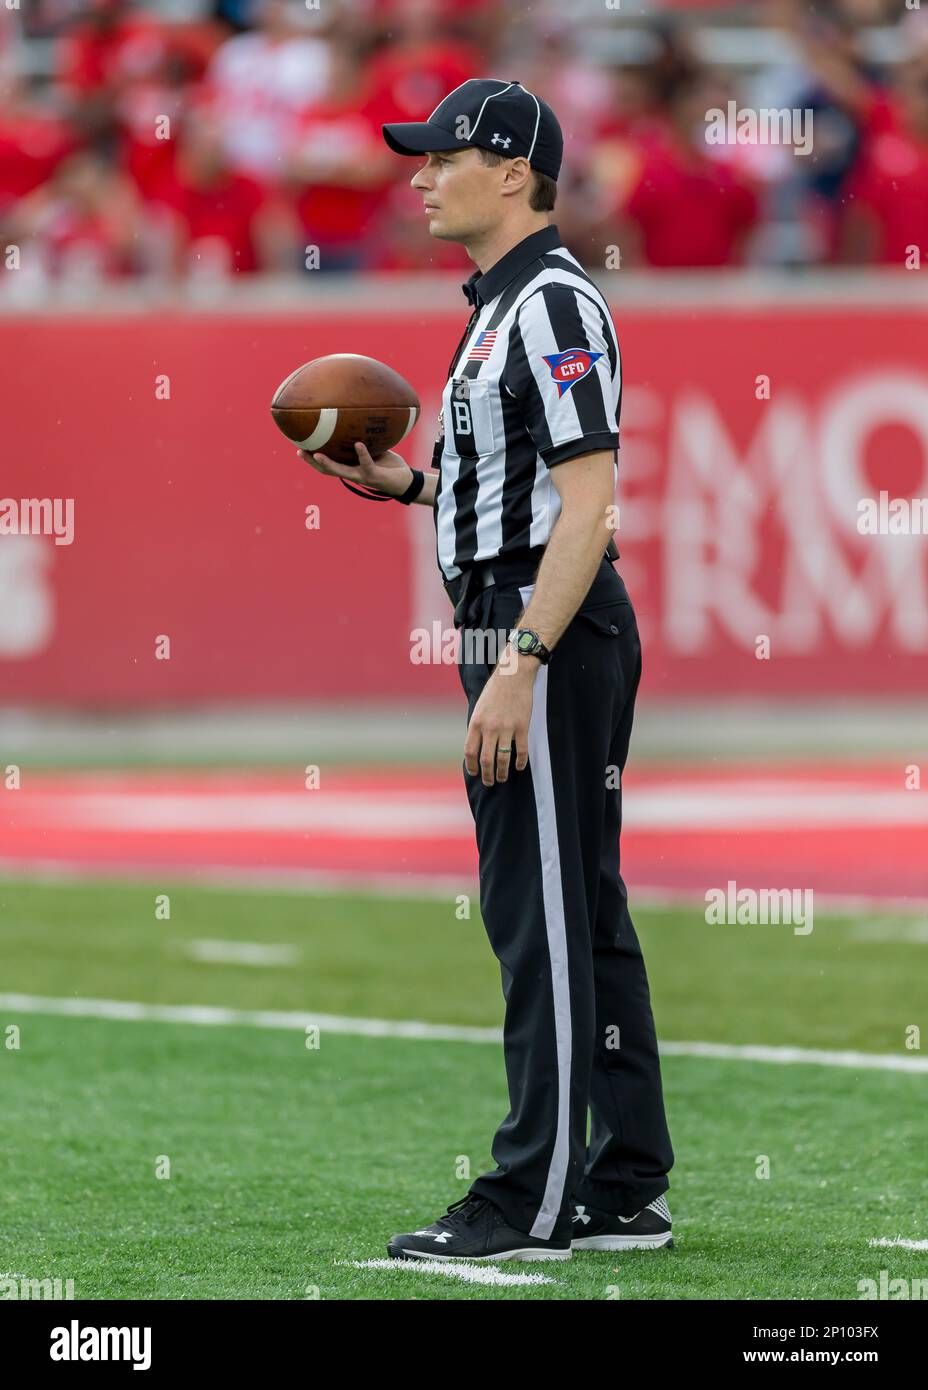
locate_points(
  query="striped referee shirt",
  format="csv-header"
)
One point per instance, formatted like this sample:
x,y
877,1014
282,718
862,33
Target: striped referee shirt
x,y
536,380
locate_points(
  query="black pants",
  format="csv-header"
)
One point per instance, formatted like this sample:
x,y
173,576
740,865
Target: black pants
x,y
578,1033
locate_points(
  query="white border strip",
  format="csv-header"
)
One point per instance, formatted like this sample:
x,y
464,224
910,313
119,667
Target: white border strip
x,y
128,1011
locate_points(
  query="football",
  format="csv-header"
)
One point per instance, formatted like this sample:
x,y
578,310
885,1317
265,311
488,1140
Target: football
x,y
326,404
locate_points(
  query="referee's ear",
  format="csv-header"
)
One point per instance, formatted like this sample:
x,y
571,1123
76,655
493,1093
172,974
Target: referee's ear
x,y
518,175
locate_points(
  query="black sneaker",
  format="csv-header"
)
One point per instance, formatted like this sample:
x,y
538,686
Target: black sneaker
x,y
474,1229
598,1230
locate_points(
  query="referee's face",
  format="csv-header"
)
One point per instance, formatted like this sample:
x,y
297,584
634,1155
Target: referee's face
x,y
460,193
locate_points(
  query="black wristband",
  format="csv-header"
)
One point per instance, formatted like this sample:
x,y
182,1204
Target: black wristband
x,y
415,487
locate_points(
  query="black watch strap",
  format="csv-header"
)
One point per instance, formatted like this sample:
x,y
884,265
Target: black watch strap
x,y
535,647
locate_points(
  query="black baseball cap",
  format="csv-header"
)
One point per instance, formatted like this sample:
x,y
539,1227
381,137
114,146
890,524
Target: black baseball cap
x,y
500,116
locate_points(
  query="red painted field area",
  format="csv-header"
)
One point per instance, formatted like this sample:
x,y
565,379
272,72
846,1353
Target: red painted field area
x,y
842,832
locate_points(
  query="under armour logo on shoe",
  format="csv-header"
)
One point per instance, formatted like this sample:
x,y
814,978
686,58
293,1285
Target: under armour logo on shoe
x,y
498,140
582,1216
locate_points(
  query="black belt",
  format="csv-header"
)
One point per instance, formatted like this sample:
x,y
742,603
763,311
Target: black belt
x,y
519,568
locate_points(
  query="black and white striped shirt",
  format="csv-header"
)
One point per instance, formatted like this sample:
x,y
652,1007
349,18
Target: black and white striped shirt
x,y
536,380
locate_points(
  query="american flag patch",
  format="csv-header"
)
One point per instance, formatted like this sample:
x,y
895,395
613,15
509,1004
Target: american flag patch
x,y
483,346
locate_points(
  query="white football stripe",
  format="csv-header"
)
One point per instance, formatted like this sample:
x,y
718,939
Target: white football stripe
x,y
325,428
413,417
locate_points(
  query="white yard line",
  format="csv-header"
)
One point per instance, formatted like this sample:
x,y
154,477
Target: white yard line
x,y
469,1272
210,951
882,929
901,1243
793,1056
209,1015
206,1015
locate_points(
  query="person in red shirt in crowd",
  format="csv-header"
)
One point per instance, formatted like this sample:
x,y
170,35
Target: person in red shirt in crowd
x,y
453,25
148,112
886,197
422,62
675,200
108,48
629,124
218,221
122,71
85,220
339,169
419,67
260,81
33,142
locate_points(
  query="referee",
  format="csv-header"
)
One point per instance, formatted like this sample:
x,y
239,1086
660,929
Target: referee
x,y
523,495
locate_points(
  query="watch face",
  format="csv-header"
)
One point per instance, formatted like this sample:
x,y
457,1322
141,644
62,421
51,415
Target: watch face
x,y
526,642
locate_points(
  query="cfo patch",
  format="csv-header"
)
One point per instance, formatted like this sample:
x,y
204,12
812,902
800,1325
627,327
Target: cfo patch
x,y
567,368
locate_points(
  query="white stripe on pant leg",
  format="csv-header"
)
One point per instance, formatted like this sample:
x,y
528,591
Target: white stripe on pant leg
x,y
556,929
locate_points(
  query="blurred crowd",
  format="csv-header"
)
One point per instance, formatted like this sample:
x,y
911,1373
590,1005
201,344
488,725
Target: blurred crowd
x,y
237,136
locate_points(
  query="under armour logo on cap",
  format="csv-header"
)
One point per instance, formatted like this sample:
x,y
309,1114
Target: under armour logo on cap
x,y
500,116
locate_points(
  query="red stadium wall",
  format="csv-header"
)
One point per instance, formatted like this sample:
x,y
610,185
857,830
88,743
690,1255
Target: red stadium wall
x,y
739,514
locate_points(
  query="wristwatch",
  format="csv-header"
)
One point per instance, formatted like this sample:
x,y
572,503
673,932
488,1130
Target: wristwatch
x,y
528,643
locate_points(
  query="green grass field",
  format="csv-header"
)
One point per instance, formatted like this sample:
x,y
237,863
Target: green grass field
x,y
288,1163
